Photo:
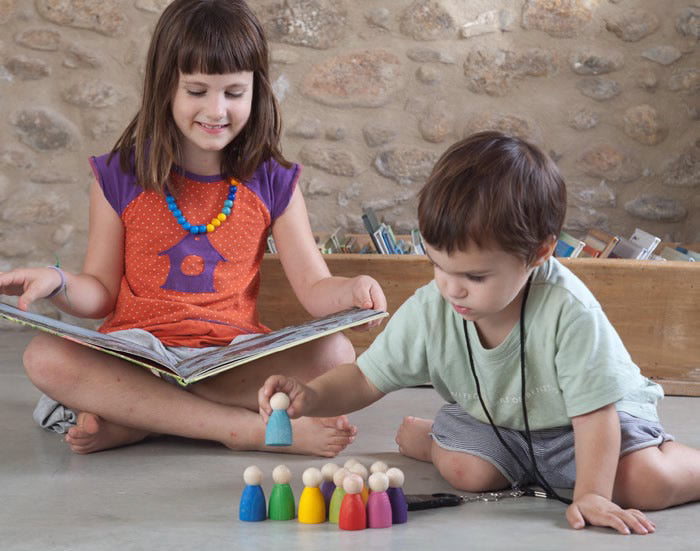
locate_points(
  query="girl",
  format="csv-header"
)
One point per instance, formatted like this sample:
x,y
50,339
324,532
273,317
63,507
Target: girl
x,y
179,215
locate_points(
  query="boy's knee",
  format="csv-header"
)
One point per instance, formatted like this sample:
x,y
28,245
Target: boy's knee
x,y
466,472
644,483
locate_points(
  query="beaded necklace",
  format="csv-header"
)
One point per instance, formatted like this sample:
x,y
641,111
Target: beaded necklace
x,y
202,228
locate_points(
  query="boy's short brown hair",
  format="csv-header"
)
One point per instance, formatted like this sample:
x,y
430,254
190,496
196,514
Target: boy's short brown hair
x,y
491,189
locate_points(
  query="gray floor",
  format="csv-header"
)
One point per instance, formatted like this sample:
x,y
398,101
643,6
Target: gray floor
x,y
175,494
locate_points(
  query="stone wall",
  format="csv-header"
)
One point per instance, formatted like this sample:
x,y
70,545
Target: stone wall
x,y
372,93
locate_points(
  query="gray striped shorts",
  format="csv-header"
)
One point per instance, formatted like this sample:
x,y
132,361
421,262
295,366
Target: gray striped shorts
x,y
456,430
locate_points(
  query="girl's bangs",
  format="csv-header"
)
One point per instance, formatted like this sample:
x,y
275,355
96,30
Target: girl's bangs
x,y
219,50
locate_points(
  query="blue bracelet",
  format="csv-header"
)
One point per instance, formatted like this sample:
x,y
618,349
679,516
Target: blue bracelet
x,y
62,286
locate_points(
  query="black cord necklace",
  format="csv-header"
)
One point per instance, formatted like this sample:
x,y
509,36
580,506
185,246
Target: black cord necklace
x,y
534,472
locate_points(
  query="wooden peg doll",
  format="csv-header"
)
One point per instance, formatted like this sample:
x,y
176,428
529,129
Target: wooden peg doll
x,y
252,506
312,508
399,507
353,514
279,428
378,467
379,513
281,506
328,486
361,471
338,495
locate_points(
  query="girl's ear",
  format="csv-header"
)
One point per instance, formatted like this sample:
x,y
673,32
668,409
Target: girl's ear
x,y
545,251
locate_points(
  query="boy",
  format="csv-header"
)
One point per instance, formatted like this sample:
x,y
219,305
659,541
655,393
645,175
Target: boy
x,y
518,347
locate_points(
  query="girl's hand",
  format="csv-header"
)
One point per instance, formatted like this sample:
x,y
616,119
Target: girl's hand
x,y
367,293
599,511
301,397
29,284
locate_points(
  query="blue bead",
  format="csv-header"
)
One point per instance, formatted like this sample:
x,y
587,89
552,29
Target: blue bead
x,y
203,228
172,206
226,210
177,213
186,226
181,220
194,229
169,198
228,203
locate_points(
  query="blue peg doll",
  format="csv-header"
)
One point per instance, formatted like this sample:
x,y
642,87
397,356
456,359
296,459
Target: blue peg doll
x,y
279,428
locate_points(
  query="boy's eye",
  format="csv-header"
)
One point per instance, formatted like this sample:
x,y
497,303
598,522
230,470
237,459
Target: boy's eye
x,y
195,92
234,94
474,278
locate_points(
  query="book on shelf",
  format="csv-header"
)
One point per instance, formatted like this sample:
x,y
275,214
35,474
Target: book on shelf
x,y
205,364
669,253
609,239
645,240
369,219
568,246
627,249
417,240
692,255
271,247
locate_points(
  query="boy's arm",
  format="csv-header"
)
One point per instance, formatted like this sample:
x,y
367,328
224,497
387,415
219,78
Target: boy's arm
x,y
341,390
597,451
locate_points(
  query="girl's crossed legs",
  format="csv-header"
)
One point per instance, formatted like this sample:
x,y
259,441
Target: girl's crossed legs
x,y
120,403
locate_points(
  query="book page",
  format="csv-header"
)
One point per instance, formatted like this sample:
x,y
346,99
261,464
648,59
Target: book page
x,y
259,345
87,337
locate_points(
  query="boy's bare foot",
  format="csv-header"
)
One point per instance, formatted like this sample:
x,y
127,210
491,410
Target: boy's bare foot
x,y
324,436
93,434
413,438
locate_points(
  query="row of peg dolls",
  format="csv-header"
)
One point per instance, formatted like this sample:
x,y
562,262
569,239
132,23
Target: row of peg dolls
x,y
350,496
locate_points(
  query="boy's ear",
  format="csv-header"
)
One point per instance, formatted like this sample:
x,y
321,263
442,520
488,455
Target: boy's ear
x,y
545,251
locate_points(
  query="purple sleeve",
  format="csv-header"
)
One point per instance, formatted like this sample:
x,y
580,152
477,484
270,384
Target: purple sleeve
x,y
118,187
274,184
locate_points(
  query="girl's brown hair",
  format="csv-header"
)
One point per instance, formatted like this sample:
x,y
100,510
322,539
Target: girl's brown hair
x,y
492,189
211,37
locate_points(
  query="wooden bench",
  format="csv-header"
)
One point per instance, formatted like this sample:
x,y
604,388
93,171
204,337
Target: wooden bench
x,y
655,306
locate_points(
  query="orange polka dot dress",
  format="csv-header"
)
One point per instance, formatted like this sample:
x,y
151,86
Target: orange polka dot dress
x,y
193,289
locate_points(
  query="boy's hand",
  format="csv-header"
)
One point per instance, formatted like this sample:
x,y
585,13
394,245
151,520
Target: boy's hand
x,y
599,511
301,397
367,293
29,284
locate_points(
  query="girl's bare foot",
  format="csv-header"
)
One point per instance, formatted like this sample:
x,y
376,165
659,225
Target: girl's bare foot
x,y
93,434
413,438
324,436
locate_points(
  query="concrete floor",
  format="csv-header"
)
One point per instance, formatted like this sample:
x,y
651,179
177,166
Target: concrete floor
x,y
175,494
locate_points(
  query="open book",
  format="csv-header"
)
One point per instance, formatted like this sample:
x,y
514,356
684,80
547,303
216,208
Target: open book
x,y
207,363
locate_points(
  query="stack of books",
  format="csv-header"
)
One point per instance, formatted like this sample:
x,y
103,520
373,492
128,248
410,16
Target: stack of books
x,y
641,245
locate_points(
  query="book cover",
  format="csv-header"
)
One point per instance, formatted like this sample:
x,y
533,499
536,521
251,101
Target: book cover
x,y
645,240
674,254
593,247
626,249
606,237
417,240
568,246
369,219
207,363
379,242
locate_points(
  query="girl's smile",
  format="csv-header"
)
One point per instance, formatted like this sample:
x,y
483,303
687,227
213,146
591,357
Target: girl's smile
x,y
210,111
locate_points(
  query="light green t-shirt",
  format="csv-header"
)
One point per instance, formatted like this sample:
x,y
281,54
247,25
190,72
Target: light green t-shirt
x,y
575,361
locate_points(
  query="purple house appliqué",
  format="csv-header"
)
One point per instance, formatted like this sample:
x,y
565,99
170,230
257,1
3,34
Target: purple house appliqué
x,y
192,245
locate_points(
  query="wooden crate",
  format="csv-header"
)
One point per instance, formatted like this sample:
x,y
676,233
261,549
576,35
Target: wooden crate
x,y
655,306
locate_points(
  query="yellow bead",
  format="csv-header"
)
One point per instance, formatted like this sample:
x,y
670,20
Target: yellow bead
x,y
221,216
215,222
210,228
